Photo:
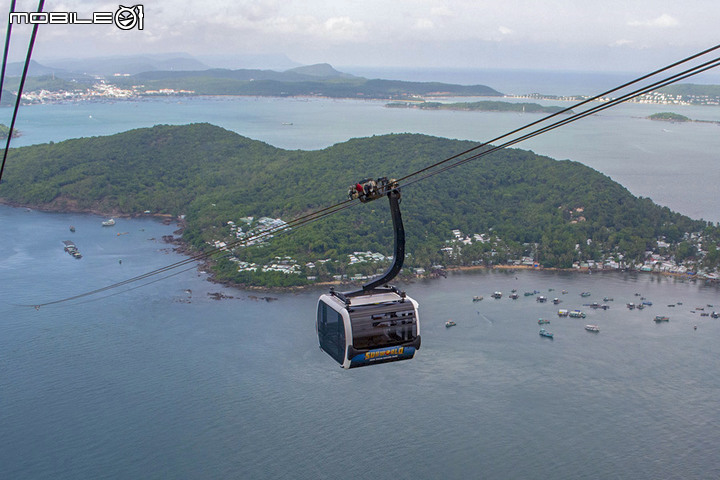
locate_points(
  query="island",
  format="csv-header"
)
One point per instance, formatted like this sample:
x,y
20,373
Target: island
x,y
481,106
511,208
669,117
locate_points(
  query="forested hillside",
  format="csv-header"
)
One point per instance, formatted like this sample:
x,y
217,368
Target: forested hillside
x,y
524,203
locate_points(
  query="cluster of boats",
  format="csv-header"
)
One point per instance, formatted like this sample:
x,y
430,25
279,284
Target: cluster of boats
x,y
72,249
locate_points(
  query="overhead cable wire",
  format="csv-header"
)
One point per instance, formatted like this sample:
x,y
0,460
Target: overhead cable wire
x,y
662,83
7,48
322,213
565,110
20,90
301,221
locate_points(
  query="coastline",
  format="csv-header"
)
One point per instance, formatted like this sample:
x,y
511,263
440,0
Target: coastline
x,y
205,264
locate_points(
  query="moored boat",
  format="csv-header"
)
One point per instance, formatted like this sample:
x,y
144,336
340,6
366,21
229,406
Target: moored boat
x,y
592,328
542,321
108,223
577,314
563,313
661,318
545,333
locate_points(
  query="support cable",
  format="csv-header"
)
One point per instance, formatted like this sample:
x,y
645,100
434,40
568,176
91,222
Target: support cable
x,y
20,89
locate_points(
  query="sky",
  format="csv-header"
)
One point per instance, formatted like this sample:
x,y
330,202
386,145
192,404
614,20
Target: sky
x,y
573,35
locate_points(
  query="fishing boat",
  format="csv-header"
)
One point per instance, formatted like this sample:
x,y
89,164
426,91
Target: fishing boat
x,y
542,321
449,324
477,298
592,328
585,294
661,318
563,313
577,314
545,333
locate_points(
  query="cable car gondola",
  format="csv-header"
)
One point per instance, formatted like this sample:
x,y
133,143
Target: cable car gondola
x,y
378,323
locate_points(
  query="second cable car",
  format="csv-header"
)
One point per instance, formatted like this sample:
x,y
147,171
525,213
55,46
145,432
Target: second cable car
x,y
378,323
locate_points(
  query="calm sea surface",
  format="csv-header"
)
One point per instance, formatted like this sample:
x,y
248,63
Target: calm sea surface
x,y
165,382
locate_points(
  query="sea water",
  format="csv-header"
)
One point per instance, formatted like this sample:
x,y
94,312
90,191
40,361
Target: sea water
x,y
165,381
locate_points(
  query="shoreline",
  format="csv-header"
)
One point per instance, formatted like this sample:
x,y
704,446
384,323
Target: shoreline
x,y
205,265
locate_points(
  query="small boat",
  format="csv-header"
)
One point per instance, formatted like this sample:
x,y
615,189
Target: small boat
x,y
72,229
577,314
514,296
477,298
449,324
631,306
661,318
542,321
592,328
585,294
715,315
545,333
608,299
496,295
563,313
556,301
108,223
541,299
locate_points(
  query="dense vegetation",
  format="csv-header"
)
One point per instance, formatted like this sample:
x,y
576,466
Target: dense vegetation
x,y
692,89
669,117
482,106
320,80
214,176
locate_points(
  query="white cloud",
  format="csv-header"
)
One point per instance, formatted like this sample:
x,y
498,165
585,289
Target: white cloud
x,y
663,21
424,24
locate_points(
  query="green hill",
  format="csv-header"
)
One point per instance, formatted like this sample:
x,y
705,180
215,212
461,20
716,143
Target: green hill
x,y
319,80
214,176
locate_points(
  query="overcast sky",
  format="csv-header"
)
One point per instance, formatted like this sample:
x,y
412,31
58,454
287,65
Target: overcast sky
x,y
596,35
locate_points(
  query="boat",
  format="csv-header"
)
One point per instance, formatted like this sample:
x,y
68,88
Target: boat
x,y
608,299
592,328
477,298
71,249
108,223
563,313
631,306
661,318
715,315
496,295
556,301
585,294
449,324
541,299
542,321
514,296
545,333
72,229
577,314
